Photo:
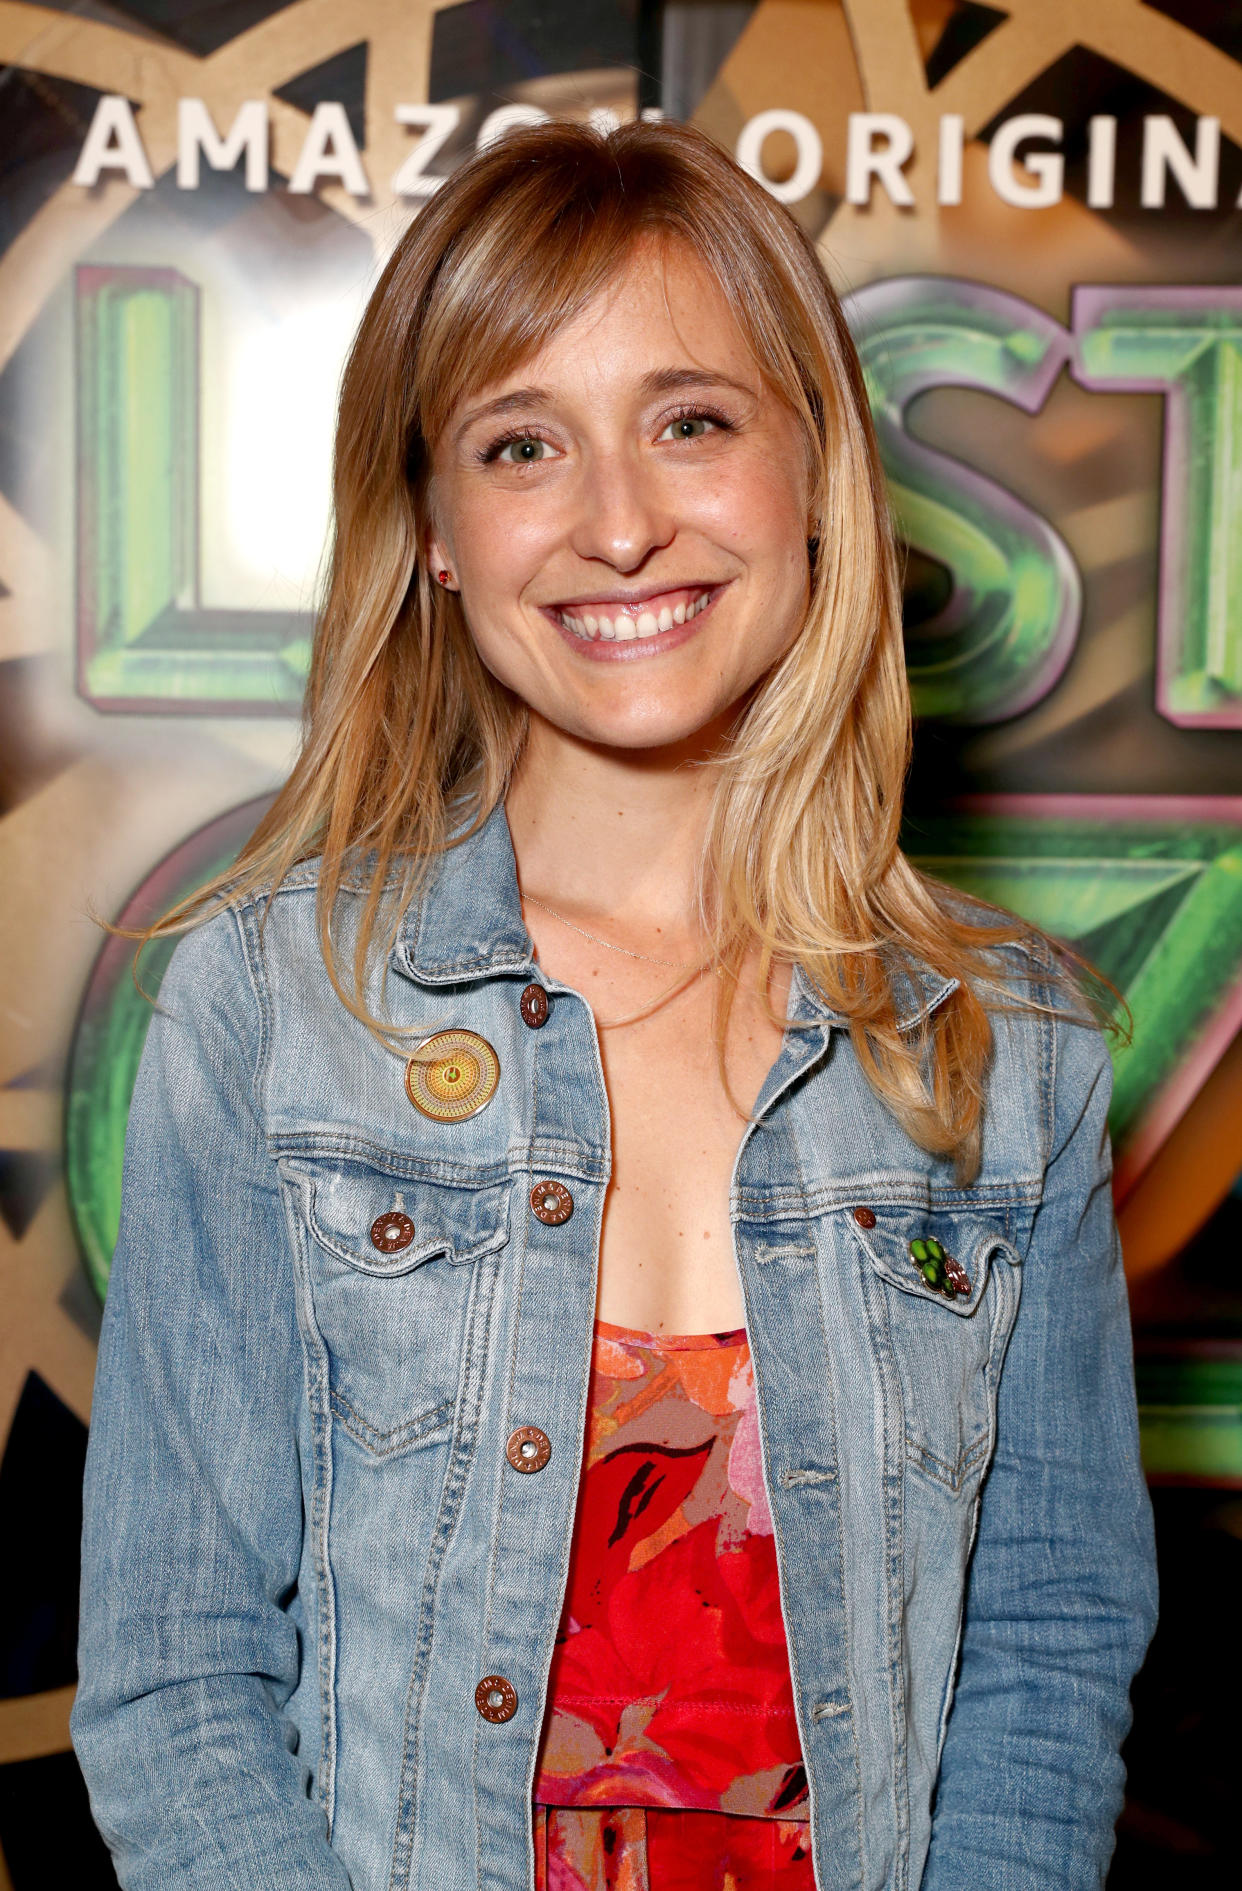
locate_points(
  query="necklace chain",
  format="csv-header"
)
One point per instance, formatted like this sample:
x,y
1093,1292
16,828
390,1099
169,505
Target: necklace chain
x,y
676,965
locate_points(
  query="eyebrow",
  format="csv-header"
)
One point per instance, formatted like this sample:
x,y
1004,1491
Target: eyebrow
x,y
657,381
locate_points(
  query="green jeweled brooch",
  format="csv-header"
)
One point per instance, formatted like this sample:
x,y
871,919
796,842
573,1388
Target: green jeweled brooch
x,y
942,1273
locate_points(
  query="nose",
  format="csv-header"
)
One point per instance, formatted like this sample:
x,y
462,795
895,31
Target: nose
x,y
622,514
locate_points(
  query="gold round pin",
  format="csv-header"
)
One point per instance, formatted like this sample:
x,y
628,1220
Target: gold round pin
x,y
452,1075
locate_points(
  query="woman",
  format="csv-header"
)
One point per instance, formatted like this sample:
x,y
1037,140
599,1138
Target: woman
x,y
575,976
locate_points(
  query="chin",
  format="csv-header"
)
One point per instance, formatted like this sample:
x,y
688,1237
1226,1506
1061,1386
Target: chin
x,y
659,730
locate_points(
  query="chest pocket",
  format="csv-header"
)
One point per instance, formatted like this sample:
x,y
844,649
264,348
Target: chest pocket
x,y
394,1270
945,1290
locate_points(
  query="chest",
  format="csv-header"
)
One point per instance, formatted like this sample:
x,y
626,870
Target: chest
x,y
677,1116
677,1119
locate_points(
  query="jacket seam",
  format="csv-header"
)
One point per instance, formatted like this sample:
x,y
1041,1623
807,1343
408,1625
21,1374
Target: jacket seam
x,y
387,1444
952,1477
253,958
502,1494
452,1493
315,1368
841,1574
257,980
765,1204
584,1164
893,1476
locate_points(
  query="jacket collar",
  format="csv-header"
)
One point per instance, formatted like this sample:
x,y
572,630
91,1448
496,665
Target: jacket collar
x,y
467,924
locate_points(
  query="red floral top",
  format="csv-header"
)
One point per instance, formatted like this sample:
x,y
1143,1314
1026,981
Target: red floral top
x,y
670,1682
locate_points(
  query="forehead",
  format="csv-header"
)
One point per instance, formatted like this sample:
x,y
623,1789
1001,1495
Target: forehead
x,y
661,308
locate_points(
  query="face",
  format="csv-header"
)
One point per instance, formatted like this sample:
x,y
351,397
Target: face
x,y
626,515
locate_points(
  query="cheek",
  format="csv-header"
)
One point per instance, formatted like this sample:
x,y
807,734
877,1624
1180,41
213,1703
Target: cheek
x,y
501,548
758,508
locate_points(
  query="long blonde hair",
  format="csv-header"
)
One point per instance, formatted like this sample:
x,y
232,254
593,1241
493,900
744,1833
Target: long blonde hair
x,y
403,725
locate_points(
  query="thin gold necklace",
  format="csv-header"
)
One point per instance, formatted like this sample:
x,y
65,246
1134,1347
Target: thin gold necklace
x,y
691,970
649,958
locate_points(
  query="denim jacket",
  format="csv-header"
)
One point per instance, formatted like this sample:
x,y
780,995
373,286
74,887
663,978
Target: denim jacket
x,y
305,1544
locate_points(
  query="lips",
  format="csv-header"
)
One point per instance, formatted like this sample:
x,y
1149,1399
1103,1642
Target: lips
x,y
611,620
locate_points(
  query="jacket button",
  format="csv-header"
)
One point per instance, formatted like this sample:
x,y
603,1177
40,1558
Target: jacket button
x,y
552,1203
392,1232
528,1449
534,1006
495,1699
865,1217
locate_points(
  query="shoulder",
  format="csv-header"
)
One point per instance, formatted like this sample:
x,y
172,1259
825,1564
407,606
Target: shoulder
x,y
1050,1042
206,998
271,930
1013,967
1049,1069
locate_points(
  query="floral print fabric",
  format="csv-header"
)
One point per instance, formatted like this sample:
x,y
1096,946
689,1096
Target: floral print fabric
x,y
628,1848
670,1757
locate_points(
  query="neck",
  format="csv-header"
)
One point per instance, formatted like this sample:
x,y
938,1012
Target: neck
x,y
612,833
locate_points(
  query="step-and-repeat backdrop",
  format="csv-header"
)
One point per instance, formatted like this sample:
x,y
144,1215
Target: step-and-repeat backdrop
x,y
1033,209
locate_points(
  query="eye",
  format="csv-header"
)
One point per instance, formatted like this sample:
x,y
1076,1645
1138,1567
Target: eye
x,y
523,450
693,423
687,427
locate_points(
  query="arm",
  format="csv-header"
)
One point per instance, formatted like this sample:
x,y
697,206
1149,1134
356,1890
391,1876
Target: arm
x,y
1060,1603
193,1502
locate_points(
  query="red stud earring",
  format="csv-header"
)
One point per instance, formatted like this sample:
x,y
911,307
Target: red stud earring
x,y
443,576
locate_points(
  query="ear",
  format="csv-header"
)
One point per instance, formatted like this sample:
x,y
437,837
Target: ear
x,y
437,555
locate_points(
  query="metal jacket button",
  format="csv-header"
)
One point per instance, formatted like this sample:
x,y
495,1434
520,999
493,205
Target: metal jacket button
x,y
534,1006
392,1232
495,1698
552,1203
528,1449
452,1075
865,1217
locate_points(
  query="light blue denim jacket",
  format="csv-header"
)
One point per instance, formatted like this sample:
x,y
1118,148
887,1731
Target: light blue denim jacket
x,y
305,1544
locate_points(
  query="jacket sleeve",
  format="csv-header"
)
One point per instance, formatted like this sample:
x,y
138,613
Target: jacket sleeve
x,y
189,1646
1060,1603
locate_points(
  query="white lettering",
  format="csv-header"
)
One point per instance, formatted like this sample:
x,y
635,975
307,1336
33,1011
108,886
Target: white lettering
x,y
1101,162
1164,151
329,151
197,136
437,124
507,118
864,161
1045,170
113,144
808,161
949,165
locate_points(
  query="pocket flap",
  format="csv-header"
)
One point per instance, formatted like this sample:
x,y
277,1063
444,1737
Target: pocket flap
x,y
941,1255
384,1225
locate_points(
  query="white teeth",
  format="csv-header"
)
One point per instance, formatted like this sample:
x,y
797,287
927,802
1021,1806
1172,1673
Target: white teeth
x,y
623,627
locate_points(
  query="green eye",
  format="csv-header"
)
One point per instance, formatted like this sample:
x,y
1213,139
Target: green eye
x,y
688,426
522,452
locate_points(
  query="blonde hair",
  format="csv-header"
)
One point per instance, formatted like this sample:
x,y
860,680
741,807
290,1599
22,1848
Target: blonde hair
x,y
404,727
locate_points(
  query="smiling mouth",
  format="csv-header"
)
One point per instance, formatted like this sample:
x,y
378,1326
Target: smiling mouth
x,y
610,621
